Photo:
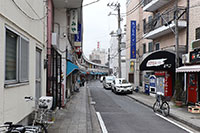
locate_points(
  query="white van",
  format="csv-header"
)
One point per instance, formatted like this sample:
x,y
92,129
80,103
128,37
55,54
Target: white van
x,y
108,81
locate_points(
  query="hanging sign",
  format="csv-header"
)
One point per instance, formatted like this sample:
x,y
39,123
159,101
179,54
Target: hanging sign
x,y
78,37
73,21
133,40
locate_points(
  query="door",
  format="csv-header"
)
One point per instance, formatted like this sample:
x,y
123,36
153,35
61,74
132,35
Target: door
x,y
131,77
38,90
192,87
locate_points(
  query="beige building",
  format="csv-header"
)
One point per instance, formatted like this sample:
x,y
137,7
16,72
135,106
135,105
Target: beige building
x,y
99,55
22,55
155,40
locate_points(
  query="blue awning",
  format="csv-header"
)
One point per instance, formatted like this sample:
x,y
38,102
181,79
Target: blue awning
x,y
71,68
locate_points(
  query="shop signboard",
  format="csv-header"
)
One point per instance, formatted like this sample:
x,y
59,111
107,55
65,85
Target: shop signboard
x,y
78,37
195,56
74,21
133,40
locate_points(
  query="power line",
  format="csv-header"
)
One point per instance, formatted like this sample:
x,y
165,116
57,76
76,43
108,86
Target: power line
x,y
37,19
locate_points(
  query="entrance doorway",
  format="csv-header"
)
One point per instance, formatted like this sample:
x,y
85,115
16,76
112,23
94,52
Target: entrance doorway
x,y
192,87
131,77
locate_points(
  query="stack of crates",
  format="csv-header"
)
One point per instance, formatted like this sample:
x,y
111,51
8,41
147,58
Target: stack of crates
x,y
194,109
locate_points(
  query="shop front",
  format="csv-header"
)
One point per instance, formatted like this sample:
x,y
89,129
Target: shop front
x,y
162,67
192,77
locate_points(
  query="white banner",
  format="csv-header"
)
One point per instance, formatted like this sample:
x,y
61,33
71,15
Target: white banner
x,y
73,21
156,62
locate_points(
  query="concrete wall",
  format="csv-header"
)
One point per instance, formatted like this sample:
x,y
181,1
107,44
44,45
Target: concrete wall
x,y
194,21
12,104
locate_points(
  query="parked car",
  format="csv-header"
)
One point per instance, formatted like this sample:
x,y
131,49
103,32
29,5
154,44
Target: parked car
x,y
102,78
108,81
121,85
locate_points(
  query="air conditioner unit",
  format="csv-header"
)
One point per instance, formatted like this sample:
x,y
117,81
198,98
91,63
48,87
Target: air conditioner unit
x,y
185,58
54,39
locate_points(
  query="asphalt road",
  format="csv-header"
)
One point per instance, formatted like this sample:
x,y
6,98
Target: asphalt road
x,y
122,114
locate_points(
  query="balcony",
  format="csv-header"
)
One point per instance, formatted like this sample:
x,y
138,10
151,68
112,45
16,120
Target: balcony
x,y
164,24
153,5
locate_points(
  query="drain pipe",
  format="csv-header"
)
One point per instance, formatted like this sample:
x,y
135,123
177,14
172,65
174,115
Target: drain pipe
x,y
187,29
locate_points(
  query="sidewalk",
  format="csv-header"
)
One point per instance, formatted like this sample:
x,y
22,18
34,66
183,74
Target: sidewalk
x,y
78,116
180,114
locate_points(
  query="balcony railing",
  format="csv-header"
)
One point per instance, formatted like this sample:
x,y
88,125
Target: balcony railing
x,y
165,19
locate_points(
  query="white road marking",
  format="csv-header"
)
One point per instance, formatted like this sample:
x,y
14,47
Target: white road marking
x,y
178,125
103,127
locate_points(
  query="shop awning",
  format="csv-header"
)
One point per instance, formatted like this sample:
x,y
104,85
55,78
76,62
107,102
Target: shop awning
x,y
193,68
159,61
71,67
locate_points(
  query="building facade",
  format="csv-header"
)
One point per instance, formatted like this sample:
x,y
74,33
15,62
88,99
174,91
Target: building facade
x,y
156,38
23,51
99,55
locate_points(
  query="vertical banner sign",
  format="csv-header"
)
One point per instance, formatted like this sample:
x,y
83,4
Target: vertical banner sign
x,y
74,22
78,37
133,40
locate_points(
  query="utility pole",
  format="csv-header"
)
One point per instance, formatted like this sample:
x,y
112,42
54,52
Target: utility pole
x,y
119,35
176,39
119,39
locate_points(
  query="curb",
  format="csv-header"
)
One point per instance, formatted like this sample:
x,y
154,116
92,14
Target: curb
x,y
93,116
170,115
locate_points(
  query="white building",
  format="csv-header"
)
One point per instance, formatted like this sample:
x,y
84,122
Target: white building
x,y
22,55
114,57
99,55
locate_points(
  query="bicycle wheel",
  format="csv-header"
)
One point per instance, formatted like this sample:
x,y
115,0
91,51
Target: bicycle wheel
x,y
165,109
156,106
42,128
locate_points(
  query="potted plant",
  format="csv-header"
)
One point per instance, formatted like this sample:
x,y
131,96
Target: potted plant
x,y
178,93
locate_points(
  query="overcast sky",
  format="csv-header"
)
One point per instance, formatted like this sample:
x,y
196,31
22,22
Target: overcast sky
x,y
98,25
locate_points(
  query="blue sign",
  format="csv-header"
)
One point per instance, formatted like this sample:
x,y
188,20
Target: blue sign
x,y
78,36
152,81
133,40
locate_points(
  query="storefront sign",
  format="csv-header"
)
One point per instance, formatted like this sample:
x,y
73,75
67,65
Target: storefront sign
x,y
73,21
195,56
78,37
156,62
133,40
132,64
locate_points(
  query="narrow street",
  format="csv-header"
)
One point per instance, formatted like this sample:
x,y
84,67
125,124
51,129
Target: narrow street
x,y
122,114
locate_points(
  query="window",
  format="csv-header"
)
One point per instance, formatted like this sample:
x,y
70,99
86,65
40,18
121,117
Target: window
x,y
144,25
17,58
157,47
197,33
144,48
151,47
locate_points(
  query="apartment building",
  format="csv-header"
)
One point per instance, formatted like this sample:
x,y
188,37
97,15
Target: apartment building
x,y
22,55
99,55
154,66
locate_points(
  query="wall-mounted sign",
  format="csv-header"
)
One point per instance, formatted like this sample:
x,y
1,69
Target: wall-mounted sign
x,y
156,62
73,22
132,64
78,37
195,56
133,40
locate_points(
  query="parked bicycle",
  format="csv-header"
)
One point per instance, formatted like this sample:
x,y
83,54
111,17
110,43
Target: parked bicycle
x,y
43,115
9,127
161,105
